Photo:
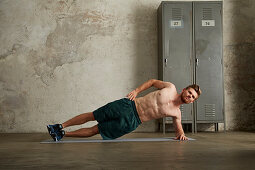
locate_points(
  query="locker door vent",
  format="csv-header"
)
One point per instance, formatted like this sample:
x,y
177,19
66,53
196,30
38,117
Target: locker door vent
x,y
182,109
209,110
177,14
207,13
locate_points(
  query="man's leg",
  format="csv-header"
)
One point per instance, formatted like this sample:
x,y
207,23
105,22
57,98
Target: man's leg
x,y
84,132
57,133
80,119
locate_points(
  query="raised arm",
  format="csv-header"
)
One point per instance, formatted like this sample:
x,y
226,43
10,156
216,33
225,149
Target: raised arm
x,y
179,133
161,84
152,82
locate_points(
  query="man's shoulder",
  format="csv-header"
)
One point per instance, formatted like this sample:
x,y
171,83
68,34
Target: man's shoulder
x,y
170,86
169,92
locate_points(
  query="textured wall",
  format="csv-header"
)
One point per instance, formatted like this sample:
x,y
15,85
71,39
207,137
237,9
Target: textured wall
x,y
239,63
62,58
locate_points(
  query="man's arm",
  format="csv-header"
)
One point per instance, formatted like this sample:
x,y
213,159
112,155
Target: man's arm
x,y
152,82
179,133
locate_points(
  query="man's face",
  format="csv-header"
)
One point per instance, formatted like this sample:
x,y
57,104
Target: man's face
x,y
189,95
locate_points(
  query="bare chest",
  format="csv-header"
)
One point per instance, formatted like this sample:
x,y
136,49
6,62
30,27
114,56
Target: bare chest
x,y
156,105
168,109
165,103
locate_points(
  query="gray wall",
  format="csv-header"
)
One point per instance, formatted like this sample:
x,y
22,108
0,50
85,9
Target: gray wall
x,y
239,63
62,58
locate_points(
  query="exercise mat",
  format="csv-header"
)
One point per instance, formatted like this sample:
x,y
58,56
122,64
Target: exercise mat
x,y
114,140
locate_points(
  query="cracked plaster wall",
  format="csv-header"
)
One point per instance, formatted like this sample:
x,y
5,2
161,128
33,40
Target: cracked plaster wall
x,y
62,58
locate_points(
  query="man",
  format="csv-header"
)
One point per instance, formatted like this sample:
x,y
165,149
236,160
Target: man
x,y
122,116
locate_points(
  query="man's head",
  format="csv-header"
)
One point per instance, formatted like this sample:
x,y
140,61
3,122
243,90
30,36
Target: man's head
x,y
190,93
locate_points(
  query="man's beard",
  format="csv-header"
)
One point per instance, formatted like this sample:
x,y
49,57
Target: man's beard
x,y
183,99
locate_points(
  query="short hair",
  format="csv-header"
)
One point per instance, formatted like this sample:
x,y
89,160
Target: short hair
x,y
196,88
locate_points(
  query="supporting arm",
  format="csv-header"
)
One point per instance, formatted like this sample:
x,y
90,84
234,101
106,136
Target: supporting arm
x,y
179,133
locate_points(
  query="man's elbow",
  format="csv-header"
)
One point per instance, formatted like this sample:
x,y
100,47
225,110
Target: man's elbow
x,y
160,84
152,81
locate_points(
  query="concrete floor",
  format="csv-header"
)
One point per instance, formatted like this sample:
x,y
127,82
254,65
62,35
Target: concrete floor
x,y
231,150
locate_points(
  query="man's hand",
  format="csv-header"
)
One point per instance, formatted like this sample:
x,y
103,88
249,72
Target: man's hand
x,y
181,137
132,95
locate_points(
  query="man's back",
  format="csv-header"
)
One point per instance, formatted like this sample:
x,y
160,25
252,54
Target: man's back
x,y
158,104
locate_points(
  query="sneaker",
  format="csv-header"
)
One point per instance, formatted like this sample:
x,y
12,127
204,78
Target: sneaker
x,y
54,128
53,135
59,135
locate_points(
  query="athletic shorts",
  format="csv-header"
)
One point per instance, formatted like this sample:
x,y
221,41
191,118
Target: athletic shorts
x,y
117,118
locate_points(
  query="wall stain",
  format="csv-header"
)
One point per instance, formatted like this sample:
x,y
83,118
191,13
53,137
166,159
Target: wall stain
x,y
62,45
12,103
12,51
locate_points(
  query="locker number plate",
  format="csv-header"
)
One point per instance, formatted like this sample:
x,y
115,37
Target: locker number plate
x,y
176,24
208,23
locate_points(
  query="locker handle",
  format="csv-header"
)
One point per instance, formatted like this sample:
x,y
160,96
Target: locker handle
x,y
197,61
165,61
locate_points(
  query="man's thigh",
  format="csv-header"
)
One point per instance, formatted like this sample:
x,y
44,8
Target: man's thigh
x,y
112,129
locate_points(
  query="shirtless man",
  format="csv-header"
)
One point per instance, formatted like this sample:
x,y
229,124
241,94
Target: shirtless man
x,y
122,116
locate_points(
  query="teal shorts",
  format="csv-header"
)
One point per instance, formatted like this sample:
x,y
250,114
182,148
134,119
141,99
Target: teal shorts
x,y
117,118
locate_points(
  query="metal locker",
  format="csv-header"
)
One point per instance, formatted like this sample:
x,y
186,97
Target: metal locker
x,y
208,61
190,51
175,49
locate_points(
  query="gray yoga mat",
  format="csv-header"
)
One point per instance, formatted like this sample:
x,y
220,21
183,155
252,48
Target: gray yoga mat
x,y
115,140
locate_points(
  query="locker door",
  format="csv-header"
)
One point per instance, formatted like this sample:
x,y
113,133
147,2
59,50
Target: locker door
x,y
177,47
208,52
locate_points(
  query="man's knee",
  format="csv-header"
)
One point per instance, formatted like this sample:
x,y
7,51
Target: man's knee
x,y
95,129
88,116
92,116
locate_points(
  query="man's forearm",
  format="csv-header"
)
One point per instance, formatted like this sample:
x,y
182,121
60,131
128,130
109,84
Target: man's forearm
x,y
178,127
179,131
145,86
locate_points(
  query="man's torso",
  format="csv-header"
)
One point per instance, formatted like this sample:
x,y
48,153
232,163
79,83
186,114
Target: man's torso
x,y
157,104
